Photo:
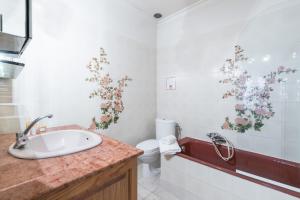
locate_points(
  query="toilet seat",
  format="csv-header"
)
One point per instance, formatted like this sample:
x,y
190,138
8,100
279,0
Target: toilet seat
x,y
149,146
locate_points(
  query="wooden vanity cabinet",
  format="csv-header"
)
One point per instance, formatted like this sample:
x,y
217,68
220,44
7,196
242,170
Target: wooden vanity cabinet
x,y
118,182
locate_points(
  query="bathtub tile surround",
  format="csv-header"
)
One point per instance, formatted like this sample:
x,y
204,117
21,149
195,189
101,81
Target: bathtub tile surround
x,y
254,98
109,93
208,183
192,46
274,173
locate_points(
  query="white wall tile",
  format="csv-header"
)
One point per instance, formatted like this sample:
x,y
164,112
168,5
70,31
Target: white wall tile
x,y
194,45
53,80
212,184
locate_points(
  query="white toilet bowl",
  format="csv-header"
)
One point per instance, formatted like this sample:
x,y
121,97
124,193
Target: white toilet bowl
x,y
151,154
150,147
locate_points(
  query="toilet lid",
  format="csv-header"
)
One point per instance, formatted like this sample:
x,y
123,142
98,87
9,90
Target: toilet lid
x,y
148,146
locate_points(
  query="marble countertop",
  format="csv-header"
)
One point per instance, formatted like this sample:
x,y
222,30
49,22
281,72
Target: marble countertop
x,y
29,179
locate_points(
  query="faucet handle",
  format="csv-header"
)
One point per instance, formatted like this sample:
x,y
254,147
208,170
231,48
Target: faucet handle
x,y
21,140
212,135
19,135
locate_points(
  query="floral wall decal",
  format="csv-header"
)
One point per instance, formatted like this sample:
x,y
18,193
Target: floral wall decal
x,y
254,103
110,93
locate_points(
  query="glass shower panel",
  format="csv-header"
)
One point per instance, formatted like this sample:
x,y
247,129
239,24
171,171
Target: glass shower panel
x,y
270,42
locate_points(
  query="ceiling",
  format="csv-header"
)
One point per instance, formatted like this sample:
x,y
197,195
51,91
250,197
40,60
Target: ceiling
x,y
165,7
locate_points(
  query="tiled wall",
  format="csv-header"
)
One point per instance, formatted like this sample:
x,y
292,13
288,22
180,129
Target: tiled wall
x,y
53,80
5,91
193,45
9,118
209,183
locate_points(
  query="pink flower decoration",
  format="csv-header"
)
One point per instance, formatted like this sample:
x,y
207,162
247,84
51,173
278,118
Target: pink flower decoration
x,y
118,93
269,114
260,111
226,125
106,90
242,80
93,125
105,80
255,102
281,69
242,121
240,107
263,112
118,106
271,81
105,105
105,118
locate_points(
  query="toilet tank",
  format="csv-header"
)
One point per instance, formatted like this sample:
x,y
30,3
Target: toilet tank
x,y
164,128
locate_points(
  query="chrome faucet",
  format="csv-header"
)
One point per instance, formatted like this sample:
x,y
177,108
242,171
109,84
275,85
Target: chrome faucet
x,y
22,137
217,138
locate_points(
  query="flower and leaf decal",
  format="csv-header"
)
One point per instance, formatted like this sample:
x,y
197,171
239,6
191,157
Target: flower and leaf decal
x,y
107,90
254,104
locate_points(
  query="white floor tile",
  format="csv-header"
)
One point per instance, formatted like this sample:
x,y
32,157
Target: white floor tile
x,y
142,192
153,197
150,183
152,188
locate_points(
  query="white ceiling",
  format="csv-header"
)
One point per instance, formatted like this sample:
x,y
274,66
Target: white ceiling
x,y
165,7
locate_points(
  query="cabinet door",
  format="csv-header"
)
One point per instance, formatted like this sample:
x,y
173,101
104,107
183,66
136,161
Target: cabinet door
x,y
116,183
118,190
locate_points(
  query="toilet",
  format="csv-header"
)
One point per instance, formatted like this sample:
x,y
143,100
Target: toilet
x,y
151,155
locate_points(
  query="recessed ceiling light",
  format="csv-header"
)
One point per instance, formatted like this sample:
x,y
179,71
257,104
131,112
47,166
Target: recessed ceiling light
x,y
157,15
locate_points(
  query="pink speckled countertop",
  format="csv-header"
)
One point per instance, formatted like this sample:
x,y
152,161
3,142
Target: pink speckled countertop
x,y
29,179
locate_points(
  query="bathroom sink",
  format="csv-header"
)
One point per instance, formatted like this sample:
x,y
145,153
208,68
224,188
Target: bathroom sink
x,y
56,143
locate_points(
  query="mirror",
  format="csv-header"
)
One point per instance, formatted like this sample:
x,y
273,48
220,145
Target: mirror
x,y
15,26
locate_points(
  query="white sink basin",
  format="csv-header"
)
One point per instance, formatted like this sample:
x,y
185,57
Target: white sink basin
x,y
56,143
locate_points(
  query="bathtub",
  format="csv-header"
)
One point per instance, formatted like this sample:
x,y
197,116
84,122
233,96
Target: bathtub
x,y
247,176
